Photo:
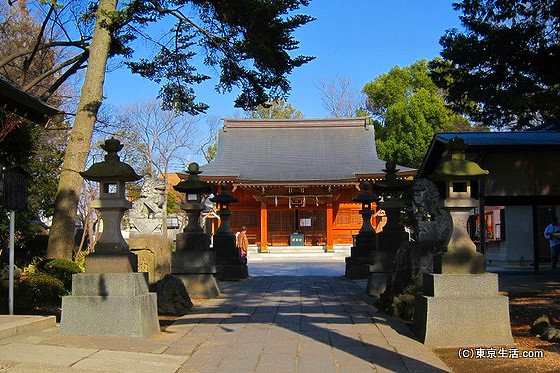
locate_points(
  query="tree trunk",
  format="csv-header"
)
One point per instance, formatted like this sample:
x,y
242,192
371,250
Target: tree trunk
x,y
61,237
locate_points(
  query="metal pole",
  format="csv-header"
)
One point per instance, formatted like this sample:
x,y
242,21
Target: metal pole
x,y
11,280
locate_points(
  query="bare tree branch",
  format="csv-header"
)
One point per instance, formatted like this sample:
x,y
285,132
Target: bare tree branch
x,y
81,44
38,40
339,97
81,57
79,64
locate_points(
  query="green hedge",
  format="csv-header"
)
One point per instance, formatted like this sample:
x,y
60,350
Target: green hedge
x,y
38,289
62,269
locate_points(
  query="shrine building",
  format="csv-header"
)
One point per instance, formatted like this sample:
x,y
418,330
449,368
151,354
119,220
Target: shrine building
x,y
295,179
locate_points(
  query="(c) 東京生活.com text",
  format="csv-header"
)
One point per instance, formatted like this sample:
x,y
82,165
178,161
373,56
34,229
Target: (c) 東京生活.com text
x,y
499,353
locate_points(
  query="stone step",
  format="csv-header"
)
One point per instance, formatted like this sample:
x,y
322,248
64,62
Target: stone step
x,y
296,253
298,249
13,325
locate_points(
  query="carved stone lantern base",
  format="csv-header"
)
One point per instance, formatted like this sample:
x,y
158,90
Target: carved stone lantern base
x,y
357,264
192,241
460,263
119,262
231,266
197,269
382,261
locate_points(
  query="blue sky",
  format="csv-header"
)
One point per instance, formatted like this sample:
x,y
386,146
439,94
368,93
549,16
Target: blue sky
x,y
360,39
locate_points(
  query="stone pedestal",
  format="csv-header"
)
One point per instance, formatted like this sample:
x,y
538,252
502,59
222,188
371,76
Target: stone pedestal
x,y
106,262
231,266
462,310
357,264
377,282
466,262
460,256
111,304
197,270
378,272
388,242
192,241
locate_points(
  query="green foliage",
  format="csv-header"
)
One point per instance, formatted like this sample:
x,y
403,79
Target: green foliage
x,y
408,109
17,147
40,154
62,269
211,152
277,109
38,289
29,240
248,40
173,203
502,71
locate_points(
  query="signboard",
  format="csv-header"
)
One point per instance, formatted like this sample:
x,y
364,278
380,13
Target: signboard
x,y
15,188
305,222
297,239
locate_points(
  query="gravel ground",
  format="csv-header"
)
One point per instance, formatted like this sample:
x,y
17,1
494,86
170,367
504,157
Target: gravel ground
x,y
543,356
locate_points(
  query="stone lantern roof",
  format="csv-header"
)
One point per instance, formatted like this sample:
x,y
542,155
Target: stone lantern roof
x,y
455,166
390,182
224,197
193,184
366,197
111,169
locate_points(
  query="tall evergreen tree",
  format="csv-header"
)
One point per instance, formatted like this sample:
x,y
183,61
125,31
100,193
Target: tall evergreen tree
x,y
502,70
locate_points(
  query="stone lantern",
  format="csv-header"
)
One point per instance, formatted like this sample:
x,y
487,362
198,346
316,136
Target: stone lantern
x,y
391,190
223,200
111,298
366,199
193,261
194,190
460,305
228,258
111,252
357,264
458,174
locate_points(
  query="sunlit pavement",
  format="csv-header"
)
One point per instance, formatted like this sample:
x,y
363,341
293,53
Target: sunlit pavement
x,y
286,317
302,268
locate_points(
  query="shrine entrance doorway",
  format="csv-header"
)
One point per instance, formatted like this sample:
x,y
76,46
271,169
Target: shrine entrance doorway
x,y
307,224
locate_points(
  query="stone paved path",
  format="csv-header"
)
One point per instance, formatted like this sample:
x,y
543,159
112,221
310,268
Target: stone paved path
x,y
269,324
300,324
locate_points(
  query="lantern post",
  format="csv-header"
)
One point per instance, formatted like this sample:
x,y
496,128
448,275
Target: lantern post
x,y
111,253
357,264
228,257
391,190
13,190
460,304
193,261
112,298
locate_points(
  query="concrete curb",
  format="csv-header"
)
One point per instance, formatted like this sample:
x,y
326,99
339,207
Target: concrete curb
x,y
11,325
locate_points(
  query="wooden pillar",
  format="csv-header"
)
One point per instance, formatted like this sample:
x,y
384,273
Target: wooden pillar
x,y
330,221
264,227
536,236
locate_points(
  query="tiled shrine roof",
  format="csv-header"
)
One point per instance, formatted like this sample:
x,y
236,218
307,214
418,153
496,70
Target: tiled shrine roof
x,y
292,151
